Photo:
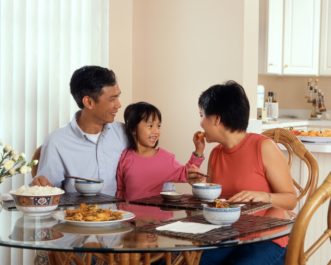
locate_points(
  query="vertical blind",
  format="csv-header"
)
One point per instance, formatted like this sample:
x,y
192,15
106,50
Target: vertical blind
x,y
41,44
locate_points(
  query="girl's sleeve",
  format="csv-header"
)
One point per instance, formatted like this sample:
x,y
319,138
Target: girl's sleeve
x,y
195,160
180,171
120,191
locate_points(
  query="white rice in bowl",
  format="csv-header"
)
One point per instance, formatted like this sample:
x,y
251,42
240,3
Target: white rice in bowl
x,y
37,190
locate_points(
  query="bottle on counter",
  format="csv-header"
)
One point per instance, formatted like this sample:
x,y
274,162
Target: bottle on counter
x,y
310,91
261,111
272,107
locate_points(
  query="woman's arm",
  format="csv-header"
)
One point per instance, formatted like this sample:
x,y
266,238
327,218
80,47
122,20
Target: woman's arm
x,y
278,174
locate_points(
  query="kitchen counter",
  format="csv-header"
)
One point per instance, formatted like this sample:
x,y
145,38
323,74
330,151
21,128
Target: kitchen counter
x,y
303,124
287,123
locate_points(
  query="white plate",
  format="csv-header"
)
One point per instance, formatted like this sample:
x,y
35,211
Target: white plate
x,y
315,139
126,216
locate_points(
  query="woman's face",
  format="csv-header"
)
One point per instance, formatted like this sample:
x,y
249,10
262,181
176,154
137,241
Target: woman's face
x,y
209,125
148,132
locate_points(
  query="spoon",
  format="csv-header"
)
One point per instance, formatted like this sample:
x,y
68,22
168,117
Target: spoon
x,y
86,179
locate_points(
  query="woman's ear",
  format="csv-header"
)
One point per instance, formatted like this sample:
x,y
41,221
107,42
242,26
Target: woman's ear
x,y
88,102
217,120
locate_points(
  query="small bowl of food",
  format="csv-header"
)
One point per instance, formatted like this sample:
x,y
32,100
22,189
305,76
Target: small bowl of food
x,y
221,213
171,195
37,200
206,191
88,188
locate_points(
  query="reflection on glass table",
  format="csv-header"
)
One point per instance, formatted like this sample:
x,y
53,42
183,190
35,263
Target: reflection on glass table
x,y
137,235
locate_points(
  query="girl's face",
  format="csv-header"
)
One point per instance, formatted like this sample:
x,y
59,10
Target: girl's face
x,y
148,132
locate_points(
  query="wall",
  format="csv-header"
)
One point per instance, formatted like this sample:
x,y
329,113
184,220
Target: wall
x,y
291,90
180,48
121,48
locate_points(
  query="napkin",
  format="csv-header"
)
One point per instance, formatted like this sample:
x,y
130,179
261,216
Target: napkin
x,y
187,227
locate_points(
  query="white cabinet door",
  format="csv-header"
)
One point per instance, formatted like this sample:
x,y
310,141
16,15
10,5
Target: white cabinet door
x,y
275,37
292,37
325,53
301,37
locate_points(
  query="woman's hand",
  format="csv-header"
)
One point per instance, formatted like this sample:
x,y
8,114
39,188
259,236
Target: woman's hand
x,y
251,196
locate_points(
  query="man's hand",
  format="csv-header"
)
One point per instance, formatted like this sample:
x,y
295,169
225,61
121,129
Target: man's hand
x,y
41,181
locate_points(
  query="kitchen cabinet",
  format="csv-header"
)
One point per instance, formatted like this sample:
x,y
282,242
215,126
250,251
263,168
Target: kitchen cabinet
x,y
291,37
325,54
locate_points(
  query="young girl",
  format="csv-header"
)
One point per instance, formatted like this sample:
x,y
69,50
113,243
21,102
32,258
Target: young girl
x,y
144,167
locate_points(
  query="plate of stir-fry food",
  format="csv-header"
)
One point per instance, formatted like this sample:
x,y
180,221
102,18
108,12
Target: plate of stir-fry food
x,y
313,136
92,215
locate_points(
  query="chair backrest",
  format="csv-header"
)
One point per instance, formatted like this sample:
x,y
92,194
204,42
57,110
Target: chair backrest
x,y
295,147
35,156
296,255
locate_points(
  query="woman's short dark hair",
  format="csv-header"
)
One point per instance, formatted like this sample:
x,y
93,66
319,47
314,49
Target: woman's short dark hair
x,y
89,81
228,101
133,115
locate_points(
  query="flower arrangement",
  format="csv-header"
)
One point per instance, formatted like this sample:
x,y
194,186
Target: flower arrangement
x,y
12,163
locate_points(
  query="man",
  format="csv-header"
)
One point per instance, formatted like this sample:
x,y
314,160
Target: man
x,y
91,144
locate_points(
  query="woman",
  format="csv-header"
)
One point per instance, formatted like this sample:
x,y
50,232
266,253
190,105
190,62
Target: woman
x,y
250,167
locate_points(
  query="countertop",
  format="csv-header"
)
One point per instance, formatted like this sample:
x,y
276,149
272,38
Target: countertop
x,y
287,122
309,124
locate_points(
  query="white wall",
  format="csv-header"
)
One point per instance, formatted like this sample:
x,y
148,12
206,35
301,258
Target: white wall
x,y
121,48
180,48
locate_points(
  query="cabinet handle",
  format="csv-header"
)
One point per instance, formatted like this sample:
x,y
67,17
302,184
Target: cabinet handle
x,y
270,64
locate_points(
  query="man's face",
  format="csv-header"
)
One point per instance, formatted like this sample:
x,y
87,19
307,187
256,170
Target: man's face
x,y
105,108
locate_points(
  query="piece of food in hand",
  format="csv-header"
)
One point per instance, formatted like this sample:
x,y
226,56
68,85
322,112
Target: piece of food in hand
x,y
201,135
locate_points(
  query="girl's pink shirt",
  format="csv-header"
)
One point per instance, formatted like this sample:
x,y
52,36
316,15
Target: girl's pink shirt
x,y
139,176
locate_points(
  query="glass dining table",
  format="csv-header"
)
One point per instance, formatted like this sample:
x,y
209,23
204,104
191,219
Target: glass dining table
x,y
137,233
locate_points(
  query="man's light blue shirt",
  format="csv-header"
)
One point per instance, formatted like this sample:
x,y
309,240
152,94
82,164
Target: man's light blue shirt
x,y
68,152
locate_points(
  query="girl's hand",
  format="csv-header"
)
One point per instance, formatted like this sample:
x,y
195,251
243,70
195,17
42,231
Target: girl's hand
x,y
199,142
193,175
251,196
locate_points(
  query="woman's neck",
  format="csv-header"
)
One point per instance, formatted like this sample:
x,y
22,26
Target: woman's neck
x,y
231,139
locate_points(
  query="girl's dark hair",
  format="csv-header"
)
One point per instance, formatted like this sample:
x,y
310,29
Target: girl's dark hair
x,y
135,113
229,102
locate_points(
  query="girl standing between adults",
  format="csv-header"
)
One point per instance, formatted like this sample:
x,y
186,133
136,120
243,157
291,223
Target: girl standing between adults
x,y
249,166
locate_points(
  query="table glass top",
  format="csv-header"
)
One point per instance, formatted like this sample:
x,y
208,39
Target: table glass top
x,y
136,233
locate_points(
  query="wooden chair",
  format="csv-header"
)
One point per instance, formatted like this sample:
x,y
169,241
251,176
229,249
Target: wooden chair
x,y
296,255
35,156
295,147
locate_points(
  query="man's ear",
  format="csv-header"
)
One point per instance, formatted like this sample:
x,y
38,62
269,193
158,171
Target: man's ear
x,y
88,102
